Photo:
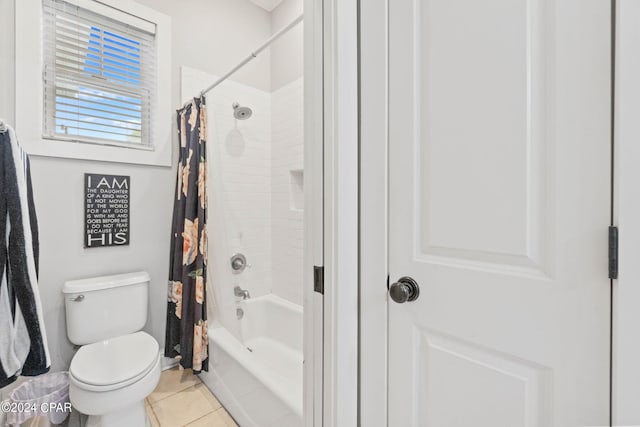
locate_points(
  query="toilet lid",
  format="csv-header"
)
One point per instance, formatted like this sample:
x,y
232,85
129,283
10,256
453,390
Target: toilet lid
x,y
115,360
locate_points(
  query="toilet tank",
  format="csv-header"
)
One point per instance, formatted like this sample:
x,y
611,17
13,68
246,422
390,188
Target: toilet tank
x,y
105,307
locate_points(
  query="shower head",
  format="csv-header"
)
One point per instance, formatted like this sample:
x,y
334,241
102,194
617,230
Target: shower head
x,y
241,113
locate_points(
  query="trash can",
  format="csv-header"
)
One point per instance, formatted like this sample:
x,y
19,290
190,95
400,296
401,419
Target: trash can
x,y
45,396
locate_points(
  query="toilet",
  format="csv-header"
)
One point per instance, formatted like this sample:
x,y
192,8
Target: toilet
x,y
117,365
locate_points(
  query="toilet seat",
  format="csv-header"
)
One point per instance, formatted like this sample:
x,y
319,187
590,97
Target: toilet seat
x,y
114,363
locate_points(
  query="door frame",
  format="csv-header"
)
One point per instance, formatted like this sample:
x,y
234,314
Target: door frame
x,y
340,212
331,203
374,173
626,211
313,217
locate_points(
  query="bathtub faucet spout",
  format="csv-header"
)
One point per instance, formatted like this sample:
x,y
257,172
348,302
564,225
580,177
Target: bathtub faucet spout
x,y
243,293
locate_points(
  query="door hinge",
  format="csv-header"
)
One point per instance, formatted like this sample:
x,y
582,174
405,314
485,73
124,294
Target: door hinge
x,y
318,279
613,252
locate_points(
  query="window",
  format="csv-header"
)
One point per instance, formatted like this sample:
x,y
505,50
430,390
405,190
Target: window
x,y
98,76
92,81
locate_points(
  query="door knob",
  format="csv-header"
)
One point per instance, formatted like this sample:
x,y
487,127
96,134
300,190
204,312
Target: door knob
x,y
405,289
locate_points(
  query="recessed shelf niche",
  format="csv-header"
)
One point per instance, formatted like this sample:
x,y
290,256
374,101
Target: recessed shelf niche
x,y
296,190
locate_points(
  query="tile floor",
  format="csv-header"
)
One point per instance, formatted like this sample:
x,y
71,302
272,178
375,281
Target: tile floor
x,y
181,400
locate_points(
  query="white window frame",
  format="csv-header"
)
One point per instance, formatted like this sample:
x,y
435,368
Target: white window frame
x,y
29,105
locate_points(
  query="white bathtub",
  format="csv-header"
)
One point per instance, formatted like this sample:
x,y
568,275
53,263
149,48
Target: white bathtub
x,y
259,378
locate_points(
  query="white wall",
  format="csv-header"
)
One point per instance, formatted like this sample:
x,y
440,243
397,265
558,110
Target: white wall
x,y
58,187
287,155
215,35
286,52
211,35
7,62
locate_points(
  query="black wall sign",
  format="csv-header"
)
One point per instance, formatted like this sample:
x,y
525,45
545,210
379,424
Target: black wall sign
x,y
106,210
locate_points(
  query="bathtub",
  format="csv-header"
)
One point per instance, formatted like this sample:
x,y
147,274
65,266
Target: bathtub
x,y
258,378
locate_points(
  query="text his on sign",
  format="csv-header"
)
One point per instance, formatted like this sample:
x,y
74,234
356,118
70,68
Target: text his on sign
x,y
106,210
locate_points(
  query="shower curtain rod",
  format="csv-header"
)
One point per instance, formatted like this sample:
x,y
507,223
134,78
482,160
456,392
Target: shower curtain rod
x,y
254,54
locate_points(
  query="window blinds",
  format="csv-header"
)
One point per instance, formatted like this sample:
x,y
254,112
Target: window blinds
x,y
99,75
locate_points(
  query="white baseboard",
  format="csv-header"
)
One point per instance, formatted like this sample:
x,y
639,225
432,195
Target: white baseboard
x,y
168,362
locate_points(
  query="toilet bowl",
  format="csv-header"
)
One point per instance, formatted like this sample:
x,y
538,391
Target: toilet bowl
x,y
109,380
117,365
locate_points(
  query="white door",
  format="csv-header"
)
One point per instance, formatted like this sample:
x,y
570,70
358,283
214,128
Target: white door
x,y
499,174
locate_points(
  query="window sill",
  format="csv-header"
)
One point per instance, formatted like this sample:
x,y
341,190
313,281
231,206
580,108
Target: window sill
x,y
53,140
159,155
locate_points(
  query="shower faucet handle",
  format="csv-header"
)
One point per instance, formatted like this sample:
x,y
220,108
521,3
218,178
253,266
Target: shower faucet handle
x,y
239,263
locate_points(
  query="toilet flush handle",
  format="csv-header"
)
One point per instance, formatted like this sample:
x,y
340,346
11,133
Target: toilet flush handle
x,y
79,298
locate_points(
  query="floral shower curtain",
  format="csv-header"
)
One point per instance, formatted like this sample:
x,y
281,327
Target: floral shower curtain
x,y
186,334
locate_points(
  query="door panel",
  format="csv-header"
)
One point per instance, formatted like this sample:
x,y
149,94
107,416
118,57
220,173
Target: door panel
x,y
499,201
479,101
463,375
462,63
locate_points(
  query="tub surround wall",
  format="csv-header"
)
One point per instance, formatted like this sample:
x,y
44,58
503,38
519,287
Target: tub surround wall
x,y
254,165
287,153
239,191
